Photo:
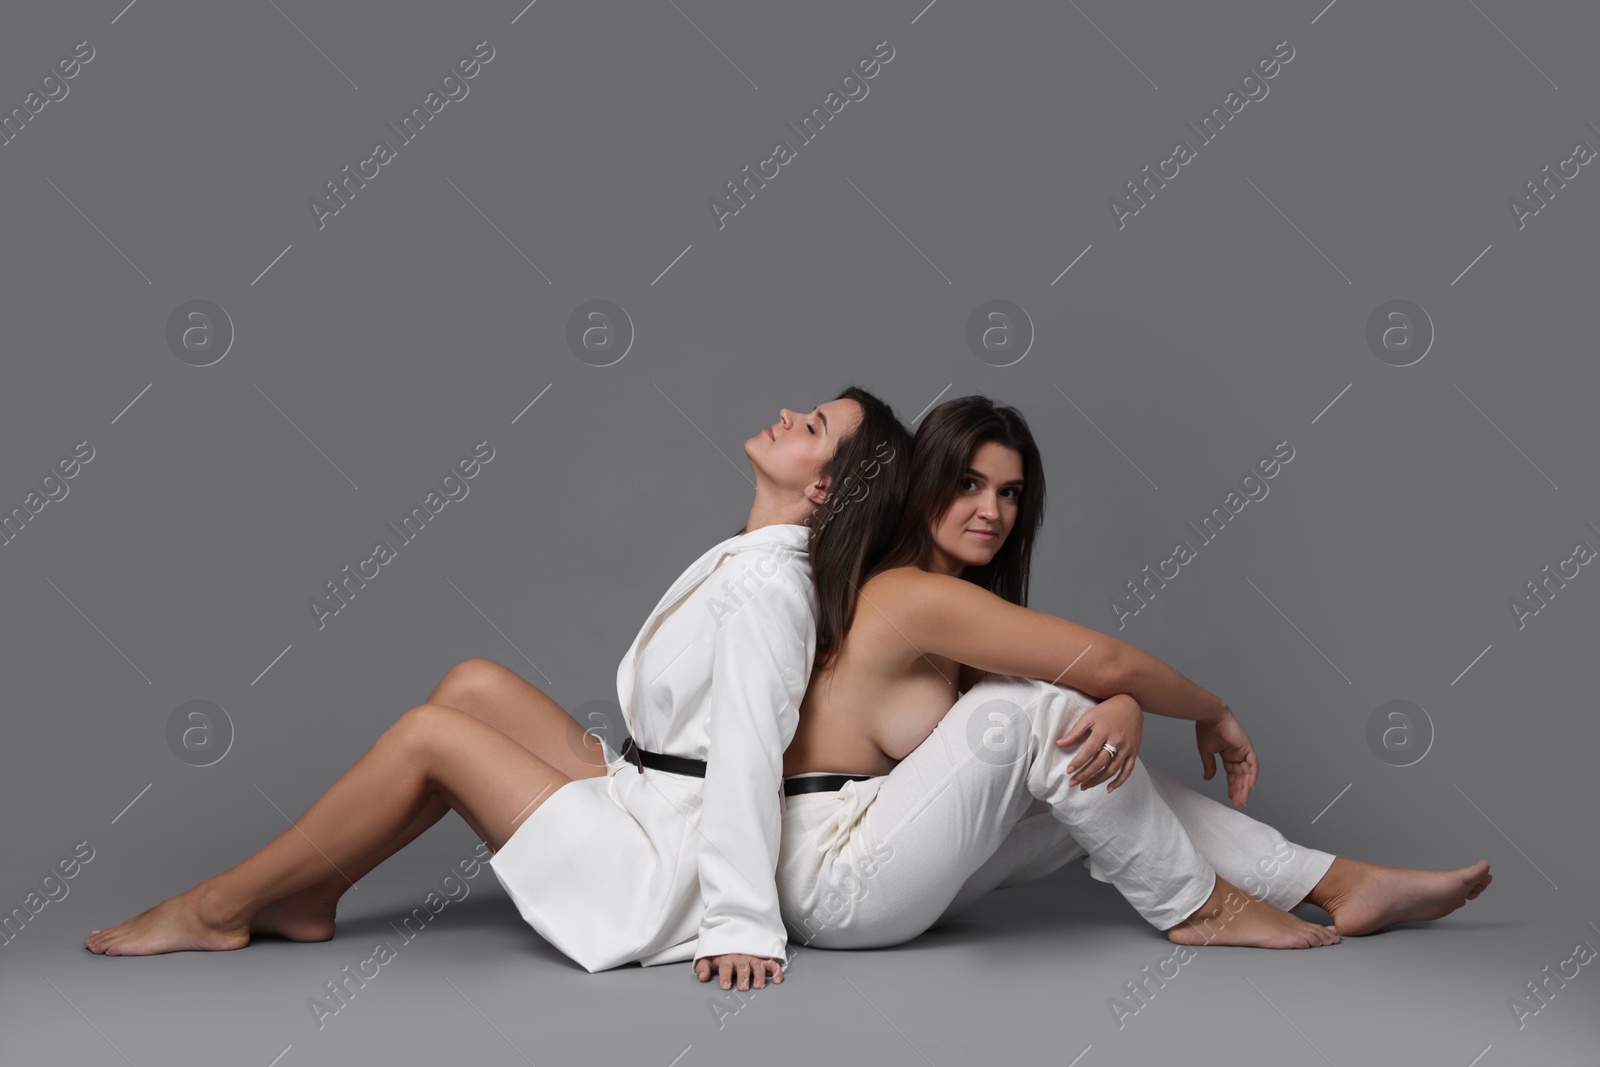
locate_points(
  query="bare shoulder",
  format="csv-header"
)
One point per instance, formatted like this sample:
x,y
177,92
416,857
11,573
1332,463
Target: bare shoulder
x,y
896,585
917,589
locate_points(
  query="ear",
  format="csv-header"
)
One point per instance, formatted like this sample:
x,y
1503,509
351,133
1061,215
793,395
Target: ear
x,y
817,491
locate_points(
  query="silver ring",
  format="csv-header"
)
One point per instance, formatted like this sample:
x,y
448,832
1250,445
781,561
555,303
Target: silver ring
x,y
1109,747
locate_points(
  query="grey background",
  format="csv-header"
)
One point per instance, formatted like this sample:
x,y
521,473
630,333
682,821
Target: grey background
x,y
1228,315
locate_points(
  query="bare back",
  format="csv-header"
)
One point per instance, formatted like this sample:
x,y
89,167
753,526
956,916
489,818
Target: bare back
x,y
878,700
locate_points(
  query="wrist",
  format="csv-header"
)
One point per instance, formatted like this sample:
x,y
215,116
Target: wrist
x,y
1221,712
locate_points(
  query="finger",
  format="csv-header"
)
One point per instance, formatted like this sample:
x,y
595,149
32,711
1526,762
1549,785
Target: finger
x,y
1087,767
1208,762
1114,768
777,972
1100,777
702,969
758,975
743,970
1084,753
1095,772
1069,738
1232,768
725,972
1105,769
1122,775
1118,771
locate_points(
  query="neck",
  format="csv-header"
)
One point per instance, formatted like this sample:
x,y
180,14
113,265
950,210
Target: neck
x,y
939,562
770,510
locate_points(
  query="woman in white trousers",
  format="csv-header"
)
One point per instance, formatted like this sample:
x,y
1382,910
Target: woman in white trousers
x,y
647,854
904,804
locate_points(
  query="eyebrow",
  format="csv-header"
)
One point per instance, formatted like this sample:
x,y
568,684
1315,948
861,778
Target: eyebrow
x,y
984,477
824,419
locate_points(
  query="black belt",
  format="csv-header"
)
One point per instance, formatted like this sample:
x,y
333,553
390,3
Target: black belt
x,y
820,783
658,761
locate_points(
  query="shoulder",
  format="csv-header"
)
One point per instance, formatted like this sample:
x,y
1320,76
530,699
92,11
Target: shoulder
x,y
932,609
774,588
915,588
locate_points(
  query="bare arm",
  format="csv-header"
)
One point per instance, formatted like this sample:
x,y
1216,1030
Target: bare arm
x,y
947,616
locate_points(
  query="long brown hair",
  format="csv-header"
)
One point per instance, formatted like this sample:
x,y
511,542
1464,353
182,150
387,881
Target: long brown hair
x,y
850,531
944,447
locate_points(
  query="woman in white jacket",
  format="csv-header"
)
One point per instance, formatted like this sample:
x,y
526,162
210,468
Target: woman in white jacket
x,y
664,851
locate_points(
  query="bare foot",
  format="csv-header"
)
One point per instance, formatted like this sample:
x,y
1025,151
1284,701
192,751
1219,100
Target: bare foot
x,y
1363,898
174,925
1232,917
303,916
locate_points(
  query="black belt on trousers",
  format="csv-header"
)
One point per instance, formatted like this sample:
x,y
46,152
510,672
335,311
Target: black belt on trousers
x,y
820,783
658,761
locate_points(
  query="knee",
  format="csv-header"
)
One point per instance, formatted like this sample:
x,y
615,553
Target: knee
x,y
469,681
421,728
1033,695
1053,708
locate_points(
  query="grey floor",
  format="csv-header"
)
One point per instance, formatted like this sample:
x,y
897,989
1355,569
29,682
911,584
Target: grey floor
x,y
1027,974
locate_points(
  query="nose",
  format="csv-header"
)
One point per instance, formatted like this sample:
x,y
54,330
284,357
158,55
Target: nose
x,y
785,416
988,505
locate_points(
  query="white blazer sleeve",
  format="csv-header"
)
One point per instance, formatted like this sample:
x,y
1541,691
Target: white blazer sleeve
x,y
763,654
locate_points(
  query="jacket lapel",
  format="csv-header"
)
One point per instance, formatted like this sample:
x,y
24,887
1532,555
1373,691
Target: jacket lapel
x,y
687,582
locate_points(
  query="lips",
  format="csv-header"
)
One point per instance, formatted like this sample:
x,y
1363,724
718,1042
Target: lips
x,y
769,433
987,535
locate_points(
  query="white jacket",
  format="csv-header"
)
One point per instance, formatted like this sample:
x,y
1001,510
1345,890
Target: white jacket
x,y
659,867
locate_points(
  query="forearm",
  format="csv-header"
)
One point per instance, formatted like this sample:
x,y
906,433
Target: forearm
x,y
1159,688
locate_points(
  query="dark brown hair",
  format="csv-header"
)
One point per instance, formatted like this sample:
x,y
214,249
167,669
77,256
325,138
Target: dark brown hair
x,y
867,480
945,443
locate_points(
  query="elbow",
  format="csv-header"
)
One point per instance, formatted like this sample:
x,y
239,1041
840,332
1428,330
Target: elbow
x,y
1111,672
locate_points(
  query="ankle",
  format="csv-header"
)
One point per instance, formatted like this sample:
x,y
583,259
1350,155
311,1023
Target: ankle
x,y
1332,885
215,906
1223,899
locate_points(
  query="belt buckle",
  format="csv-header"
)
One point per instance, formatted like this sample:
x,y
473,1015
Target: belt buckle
x,y
630,752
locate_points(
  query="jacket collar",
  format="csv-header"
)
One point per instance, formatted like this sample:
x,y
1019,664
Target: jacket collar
x,y
777,533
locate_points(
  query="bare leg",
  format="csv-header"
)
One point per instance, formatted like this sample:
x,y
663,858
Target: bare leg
x,y
1363,898
493,694
492,781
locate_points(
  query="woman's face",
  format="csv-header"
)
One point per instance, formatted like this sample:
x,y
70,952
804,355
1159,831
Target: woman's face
x,y
983,511
792,451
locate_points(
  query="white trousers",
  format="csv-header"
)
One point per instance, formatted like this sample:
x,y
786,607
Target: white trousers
x,y
983,803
